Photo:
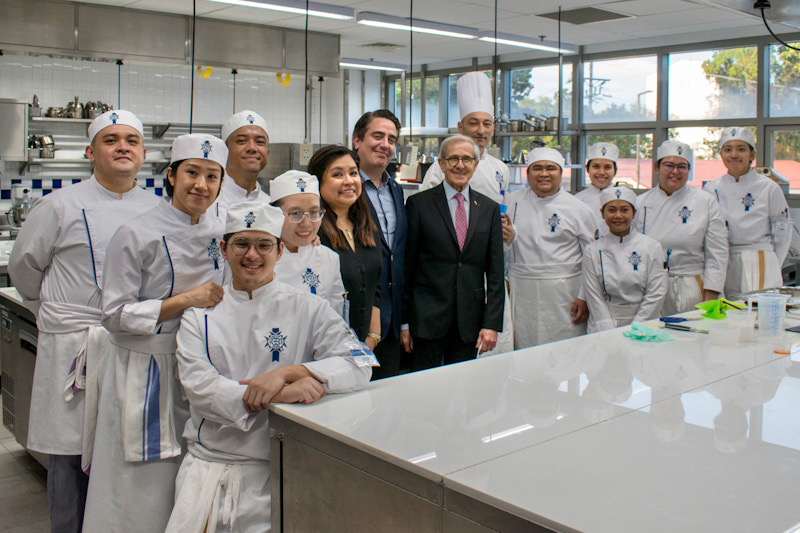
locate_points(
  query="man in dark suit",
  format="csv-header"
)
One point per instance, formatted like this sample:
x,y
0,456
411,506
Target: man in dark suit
x,y
374,138
455,242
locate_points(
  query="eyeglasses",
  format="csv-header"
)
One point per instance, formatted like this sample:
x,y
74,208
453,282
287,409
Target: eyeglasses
x,y
241,246
296,217
683,168
467,160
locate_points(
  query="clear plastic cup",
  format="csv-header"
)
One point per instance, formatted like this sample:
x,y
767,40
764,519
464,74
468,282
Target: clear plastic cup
x,y
723,332
745,320
771,312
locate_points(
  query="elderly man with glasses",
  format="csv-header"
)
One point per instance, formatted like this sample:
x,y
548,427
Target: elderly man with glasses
x,y
546,232
265,342
688,224
454,265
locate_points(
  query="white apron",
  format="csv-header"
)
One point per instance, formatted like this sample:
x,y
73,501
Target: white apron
x,y
505,338
684,289
541,298
751,268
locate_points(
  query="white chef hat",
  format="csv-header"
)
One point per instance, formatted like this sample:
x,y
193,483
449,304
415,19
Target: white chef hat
x,y
254,216
114,118
675,148
737,133
617,193
199,146
545,154
602,151
292,182
240,120
474,91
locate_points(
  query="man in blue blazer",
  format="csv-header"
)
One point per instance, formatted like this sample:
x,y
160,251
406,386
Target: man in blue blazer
x,y
454,265
374,138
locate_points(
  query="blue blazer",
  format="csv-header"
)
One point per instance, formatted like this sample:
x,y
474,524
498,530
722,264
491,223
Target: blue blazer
x,y
391,284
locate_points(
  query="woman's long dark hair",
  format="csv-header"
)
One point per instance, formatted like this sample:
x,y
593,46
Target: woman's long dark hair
x,y
363,226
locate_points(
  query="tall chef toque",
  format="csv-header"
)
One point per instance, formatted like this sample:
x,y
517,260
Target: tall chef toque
x,y
474,92
602,151
199,146
737,133
114,118
617,193
254,216
545,154
240,120
293,182
675,148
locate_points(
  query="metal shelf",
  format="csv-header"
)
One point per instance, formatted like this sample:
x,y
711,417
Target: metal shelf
x,y
59,119
532,133
160,164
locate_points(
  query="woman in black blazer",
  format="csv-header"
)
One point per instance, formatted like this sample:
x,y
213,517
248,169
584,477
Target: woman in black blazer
x,y
348,229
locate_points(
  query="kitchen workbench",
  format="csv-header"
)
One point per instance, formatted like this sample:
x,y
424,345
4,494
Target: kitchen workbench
x,y
597,433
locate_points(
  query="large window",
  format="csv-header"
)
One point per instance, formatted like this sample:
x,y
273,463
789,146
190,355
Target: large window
x,y
414,91
535,90
785,153
635,163
452,110
784,81
713,84
620,90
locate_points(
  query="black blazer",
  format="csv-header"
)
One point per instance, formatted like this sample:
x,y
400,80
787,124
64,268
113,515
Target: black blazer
x,y
443,283
393,264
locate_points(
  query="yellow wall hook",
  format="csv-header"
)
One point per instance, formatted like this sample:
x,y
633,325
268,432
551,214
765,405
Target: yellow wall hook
x,y
204,72
283,82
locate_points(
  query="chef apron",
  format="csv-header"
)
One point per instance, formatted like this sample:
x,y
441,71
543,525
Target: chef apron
x,y
684,289
621,315
505,338
752,267
541,299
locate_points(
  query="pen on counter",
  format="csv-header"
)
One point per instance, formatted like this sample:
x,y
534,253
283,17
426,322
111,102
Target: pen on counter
x,y
681,327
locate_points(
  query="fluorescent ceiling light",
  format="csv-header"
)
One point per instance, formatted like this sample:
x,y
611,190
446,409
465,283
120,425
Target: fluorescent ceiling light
x,y
297,6
370,65
421,26
528,42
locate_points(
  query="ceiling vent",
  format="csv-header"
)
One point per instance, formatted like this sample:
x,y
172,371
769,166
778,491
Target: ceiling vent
x,y
384,46
585,15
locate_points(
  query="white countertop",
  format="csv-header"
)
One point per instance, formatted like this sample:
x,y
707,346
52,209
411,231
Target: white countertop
x,y
12,294
448,419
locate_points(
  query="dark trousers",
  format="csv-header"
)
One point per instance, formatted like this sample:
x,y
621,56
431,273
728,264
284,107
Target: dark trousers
x,y
66,493
388,354
430,353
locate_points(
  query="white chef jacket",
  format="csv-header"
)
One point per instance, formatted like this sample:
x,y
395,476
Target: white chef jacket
x,y
238,339
624,280
491,175
154,256
751,206
591,197
56,265
689,222
231,193
545,263
313,269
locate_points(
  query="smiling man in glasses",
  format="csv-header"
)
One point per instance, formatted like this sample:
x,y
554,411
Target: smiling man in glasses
x,y
305,267
454,242
688,224
265,342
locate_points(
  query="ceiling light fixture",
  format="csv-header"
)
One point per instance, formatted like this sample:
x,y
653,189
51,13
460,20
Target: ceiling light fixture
x,y
370,65
420,26
297,6
527,42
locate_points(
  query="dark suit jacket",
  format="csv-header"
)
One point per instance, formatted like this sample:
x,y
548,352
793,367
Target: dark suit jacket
x,y
392,275
443,283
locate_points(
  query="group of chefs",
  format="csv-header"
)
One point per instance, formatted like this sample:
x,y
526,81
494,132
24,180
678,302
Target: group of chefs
x,y
168,326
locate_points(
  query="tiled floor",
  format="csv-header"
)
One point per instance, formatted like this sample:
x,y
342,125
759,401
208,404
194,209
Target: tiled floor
x,y
23,489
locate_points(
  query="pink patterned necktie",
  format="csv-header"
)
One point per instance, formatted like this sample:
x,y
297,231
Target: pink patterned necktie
x,y
461,221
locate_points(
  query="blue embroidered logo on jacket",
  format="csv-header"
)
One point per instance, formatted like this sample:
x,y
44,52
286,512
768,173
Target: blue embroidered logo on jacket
x,y
635,259
685,213
276,342
553,221
249,220
748,201
301,184
205,148
213,253
311,279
